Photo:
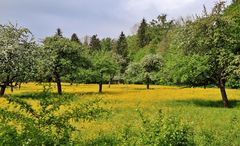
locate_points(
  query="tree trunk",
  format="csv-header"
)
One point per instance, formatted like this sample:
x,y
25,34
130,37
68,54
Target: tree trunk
x,y
148,82
19,85
100,87
223,93
59,86
109,84
148,87
11,87
3,88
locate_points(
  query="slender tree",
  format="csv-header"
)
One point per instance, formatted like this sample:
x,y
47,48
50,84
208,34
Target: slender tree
x,y
75,38
143,38
59,33
122,50
95,44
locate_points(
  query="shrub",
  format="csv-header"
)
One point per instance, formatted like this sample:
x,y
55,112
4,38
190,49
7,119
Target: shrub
x,y
44,126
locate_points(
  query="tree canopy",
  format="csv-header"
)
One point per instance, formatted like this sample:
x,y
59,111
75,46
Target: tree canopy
x,y
17,55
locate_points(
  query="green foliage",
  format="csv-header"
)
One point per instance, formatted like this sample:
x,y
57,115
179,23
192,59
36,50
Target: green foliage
x,y
203,50
107,44
105,65
122,46
44,126
142,34
132,46
233,82
134,73
61,56
75,38
159,28
95,44
189,70
165,130
17,55
122,50
160,130
144,71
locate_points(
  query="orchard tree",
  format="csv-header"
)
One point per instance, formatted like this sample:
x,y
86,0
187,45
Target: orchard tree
x,y
61,57
103,65
151,65
134,73
146,70
213,38
17,55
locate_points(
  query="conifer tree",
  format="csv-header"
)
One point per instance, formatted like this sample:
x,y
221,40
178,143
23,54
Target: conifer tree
x,y
122,46
95,43
143,38
75,38
122,50
59,33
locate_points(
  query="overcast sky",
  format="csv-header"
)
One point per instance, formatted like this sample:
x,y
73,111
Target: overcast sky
x,y
88,17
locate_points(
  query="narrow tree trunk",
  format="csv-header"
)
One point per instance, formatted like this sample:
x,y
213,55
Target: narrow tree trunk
x,y
223,93
11,84
148,87
59,86
100,87
109,84
148,82
19,85
3,88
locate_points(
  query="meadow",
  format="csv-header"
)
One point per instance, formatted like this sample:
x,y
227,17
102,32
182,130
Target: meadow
x,y
130,106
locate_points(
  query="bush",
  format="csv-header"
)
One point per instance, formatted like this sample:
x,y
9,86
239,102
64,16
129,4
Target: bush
x,y
234,82
165,130
162,130
44,126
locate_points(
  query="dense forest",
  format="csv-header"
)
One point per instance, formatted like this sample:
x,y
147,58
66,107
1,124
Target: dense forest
x,y
197,51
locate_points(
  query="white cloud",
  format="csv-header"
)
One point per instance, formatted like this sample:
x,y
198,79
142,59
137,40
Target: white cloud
x,y
160,5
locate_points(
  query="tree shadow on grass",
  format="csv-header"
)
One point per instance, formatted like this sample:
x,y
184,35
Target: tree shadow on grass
x,y
207,103
42,95
144,89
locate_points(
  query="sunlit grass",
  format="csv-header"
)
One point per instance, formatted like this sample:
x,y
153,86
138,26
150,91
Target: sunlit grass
x,y
200,107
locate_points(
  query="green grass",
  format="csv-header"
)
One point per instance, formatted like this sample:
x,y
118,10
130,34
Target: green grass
x,y
193,116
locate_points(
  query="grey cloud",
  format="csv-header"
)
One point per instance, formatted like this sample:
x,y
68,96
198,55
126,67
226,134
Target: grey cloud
x,y
102,17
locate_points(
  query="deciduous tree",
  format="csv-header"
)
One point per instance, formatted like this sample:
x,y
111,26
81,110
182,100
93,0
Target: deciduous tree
x,y
61,57
17,55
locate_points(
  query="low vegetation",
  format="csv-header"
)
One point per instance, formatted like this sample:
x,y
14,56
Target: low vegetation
x,y
122,115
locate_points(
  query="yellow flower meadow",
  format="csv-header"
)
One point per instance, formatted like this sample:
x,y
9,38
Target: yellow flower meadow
x,y
123,100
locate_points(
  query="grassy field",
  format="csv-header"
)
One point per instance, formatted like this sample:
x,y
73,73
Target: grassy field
x,y
201,109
